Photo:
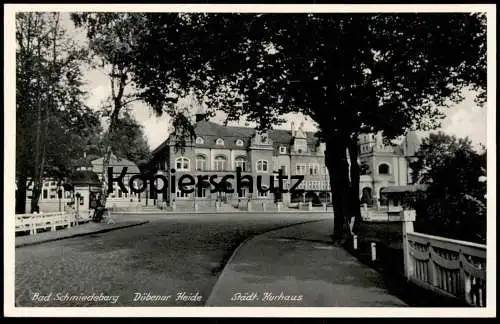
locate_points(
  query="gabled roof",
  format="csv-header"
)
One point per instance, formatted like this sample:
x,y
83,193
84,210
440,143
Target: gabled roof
x,y
211,131
117,164
84,178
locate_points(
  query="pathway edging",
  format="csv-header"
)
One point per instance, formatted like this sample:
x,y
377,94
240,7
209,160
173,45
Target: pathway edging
x,y
104,230
242,244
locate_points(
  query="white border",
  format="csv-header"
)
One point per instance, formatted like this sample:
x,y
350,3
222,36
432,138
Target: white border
x,y
9,174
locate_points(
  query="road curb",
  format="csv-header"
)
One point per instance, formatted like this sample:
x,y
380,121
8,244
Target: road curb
x,y
220,212
104,230
241,245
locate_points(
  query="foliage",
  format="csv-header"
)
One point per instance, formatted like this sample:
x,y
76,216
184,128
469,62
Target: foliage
x,y
454,204
128,140
350,73
52,122
112,42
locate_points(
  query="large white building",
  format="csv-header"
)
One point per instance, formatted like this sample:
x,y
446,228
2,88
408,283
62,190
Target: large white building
x,y
386,165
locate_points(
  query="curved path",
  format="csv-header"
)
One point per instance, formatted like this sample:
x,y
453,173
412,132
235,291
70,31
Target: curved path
x,y
171,255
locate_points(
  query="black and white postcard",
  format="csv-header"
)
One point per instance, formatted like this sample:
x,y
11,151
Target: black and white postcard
x,y
250,160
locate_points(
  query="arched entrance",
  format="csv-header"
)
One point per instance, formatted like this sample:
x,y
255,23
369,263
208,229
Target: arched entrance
x,y
382,197
367,196
324,196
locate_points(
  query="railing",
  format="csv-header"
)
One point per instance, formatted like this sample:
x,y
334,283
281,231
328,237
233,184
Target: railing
x,y
454,268
450,267
33,222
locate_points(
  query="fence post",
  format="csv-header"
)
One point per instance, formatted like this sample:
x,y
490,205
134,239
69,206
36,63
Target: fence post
x,y
249,206
53,222
263,206
407,217
355,242
373,251
33,225
309,206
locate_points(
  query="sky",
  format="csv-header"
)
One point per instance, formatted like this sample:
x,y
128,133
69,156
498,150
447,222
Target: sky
x,y
463,119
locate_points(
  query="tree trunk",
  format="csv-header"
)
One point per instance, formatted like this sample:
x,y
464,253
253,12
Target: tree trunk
x,y
105,161
354,175
36,174
336,162
21,194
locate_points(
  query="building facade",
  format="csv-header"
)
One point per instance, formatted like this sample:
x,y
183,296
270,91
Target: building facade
x,y
81,191
220,150
384,165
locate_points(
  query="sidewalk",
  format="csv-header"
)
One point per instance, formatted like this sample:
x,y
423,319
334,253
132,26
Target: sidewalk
x,y
212,209
297,266
80,230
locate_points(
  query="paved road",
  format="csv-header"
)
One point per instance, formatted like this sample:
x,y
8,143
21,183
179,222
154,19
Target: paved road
x,y
173,261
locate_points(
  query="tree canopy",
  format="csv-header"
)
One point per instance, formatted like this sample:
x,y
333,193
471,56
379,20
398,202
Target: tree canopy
x,y
52,122
454,204
350,73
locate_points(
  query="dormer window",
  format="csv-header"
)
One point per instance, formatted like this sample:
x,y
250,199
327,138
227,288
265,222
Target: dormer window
x,y
239,143
282,149
219,141
199,140
263,139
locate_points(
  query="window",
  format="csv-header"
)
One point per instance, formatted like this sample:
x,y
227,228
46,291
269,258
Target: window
x,y
383,168
199,140
262,166
182,163
300,169
262,194
181,194
315,169
300,145
219,141
201,163
45,193
282,149
220,163
241,162
119,193
243,192
239,143
283,169
203,193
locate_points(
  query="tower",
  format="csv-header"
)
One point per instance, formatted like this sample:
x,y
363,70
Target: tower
x,y
200,112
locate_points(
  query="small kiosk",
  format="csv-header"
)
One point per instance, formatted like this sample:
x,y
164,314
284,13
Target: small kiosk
x,y
401,197
86,190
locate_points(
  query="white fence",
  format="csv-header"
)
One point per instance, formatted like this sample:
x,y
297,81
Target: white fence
x,y
450,267
34,222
